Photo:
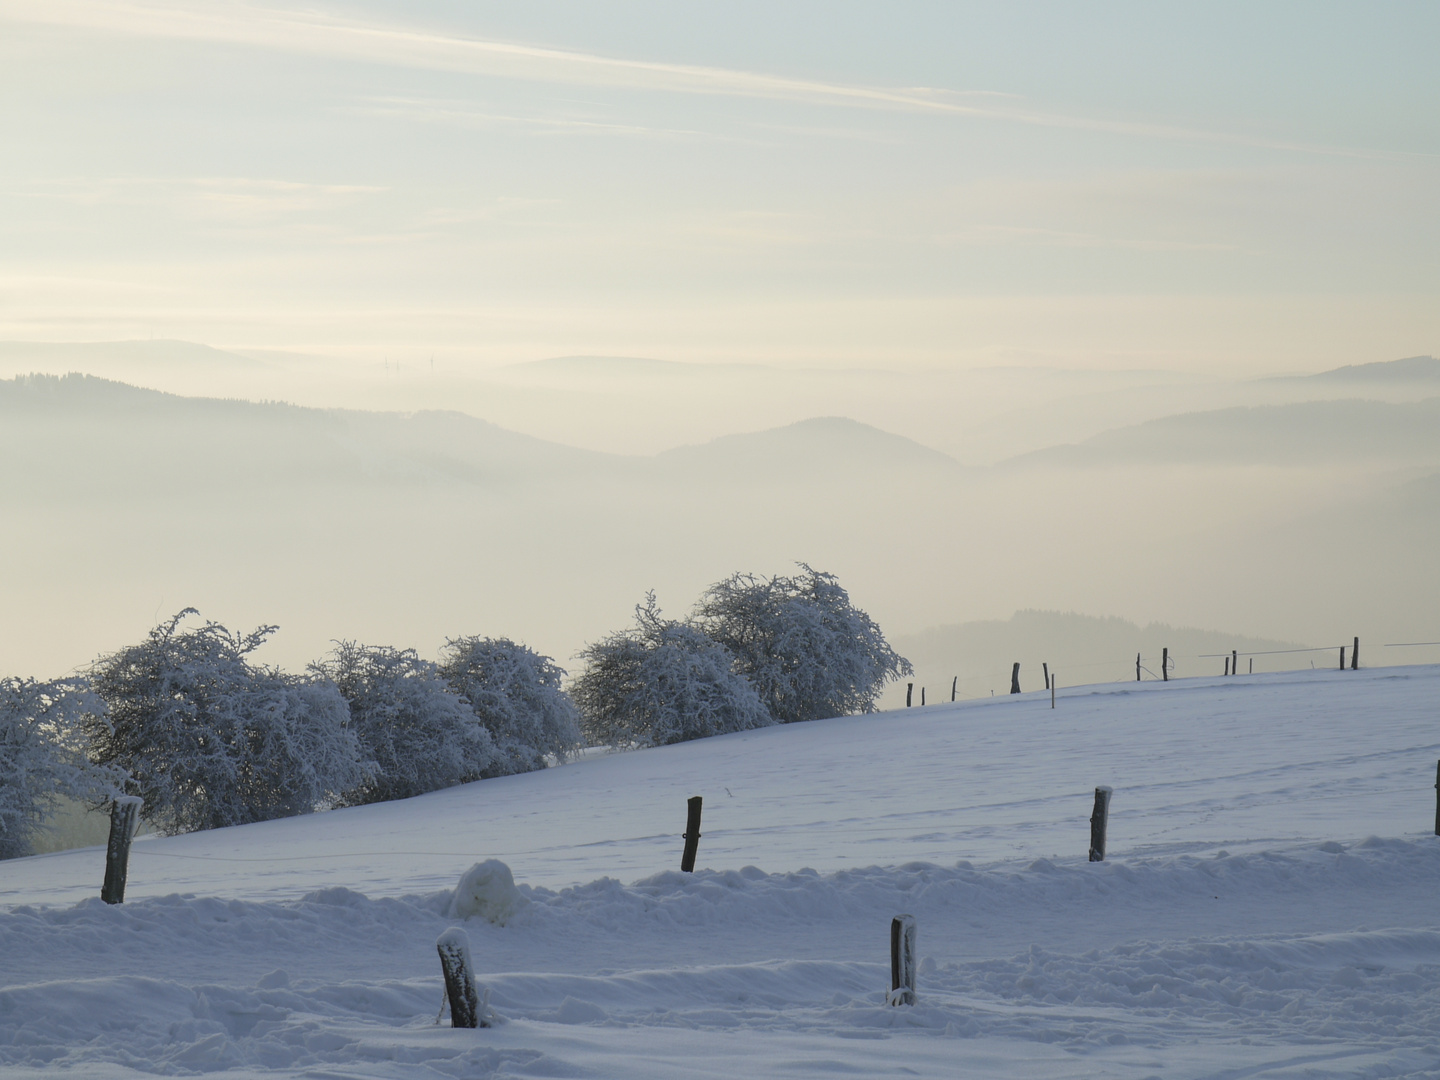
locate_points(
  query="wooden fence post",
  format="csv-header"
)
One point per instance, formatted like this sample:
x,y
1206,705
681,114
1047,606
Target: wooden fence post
x,y
1234,661
1165,664
1052,691
1099,819
1015,678
1046,669
1342,657
1227,665
124,820
955,682
1252,665
1137,667
909,690
1437,798
902,960
1355,656
692,833
454,949
922,697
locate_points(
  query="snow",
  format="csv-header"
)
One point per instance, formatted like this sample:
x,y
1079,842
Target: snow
x,y
1266,907
487,891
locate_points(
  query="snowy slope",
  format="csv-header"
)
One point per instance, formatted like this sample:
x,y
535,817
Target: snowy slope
x,y
1269,907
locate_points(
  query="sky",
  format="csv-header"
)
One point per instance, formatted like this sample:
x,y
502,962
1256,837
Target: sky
x,y
1233,189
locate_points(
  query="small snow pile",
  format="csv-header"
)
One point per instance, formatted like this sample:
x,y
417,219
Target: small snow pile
x,y
487,889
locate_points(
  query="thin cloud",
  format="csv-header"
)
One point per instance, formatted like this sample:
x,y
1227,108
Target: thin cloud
x,y
459,114
320,34
1004,234
88,188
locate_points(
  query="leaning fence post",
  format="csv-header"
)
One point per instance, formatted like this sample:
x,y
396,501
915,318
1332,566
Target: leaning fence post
x,y
1099,819
692,833
902,960
454,949
1045,668
1015,678
955,682
124,819
1165,664
1355,656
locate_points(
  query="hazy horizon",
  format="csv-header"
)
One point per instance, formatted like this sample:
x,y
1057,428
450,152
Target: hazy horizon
x,y
1306,514
1085,254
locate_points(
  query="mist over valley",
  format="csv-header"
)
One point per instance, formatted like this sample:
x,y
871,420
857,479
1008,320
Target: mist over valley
x,y
1280,515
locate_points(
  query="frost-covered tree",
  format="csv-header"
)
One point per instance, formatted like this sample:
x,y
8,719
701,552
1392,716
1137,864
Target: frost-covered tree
x,y
661,682
42,757
420,735
210,739
808,651
515,692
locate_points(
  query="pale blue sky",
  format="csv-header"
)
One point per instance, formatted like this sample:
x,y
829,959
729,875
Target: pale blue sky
x,y
1233,187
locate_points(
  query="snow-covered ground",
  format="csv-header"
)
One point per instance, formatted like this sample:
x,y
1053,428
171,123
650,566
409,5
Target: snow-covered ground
x,y
1270,906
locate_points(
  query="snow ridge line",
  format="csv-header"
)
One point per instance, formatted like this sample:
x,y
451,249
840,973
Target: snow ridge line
x,y
709,899
1373,860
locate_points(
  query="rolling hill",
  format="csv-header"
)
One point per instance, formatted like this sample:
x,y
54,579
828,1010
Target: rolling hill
x,y
1265,907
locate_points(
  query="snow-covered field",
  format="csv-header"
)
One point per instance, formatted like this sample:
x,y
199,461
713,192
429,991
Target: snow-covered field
x,y
1270,906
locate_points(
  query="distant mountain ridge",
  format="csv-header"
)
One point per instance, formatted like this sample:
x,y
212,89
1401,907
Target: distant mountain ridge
x,y
824,443
96,433
154,352
1411,368
116,429
602,370
1311,431
1078,648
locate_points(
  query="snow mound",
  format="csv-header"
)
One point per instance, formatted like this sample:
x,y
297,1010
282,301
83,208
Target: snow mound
x,y
488,890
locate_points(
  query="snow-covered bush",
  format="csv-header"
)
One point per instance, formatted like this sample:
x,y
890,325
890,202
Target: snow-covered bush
x,y
486,890
42,757
210,739
515,692
807,650
420,735
662,682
